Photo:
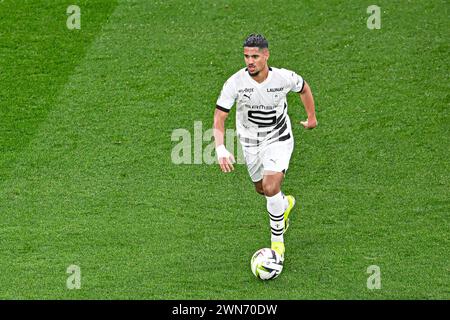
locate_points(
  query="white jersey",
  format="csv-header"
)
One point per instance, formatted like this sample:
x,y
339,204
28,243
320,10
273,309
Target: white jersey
x,y
261,115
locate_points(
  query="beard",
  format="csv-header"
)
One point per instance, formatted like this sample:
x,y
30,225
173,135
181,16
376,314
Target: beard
x,y
254,74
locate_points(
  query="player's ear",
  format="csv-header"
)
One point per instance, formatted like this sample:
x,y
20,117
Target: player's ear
x,y
266,53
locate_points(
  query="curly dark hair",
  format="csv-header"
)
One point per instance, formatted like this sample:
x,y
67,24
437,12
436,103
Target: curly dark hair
x,y
256,40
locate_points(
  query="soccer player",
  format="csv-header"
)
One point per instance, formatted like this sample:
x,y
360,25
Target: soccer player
x,y
263,128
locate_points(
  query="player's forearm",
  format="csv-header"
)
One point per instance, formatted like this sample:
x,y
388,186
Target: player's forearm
x,y
308,102
219,131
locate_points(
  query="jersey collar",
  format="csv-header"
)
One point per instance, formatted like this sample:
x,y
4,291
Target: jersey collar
x,y
269,76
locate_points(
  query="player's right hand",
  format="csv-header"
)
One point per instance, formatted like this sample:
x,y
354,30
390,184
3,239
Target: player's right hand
x,y
225,158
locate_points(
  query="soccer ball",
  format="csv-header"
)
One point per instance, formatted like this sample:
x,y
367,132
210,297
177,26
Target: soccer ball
x,y
266,264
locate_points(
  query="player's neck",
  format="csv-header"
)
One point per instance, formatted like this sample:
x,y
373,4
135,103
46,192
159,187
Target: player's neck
x,y
262,75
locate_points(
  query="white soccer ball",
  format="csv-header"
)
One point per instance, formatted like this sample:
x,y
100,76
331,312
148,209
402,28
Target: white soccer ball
x,y
266,264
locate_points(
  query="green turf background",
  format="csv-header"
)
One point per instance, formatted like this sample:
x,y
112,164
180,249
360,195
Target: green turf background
x,y
86,176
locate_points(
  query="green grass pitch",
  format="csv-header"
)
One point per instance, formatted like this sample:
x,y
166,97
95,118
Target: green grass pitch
x,y
87,179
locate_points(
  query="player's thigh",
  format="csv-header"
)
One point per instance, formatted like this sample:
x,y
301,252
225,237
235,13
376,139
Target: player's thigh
x,y
275,160
255,167
276,157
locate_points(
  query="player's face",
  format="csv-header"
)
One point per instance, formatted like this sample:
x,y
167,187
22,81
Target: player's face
x,y
255,59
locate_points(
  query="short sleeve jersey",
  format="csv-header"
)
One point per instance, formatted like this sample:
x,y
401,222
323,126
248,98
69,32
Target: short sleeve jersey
x,y
261,114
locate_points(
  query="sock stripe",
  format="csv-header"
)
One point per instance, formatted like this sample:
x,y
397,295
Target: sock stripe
x,y
277,233
276,218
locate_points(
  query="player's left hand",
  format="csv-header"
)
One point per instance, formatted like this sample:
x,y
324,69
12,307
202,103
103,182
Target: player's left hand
x,y
309,124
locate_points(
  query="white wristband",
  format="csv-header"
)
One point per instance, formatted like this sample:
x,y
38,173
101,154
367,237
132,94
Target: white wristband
x,y
222,152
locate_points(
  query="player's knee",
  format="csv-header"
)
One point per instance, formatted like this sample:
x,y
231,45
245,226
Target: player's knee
x,y
259,189
270,189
